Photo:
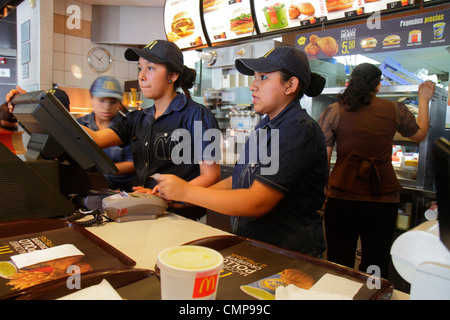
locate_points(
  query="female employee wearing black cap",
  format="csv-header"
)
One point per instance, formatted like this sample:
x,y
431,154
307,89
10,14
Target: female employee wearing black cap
x,y
149,131
273,202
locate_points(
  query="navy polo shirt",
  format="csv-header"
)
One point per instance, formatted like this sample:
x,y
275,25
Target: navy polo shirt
x,y
153,140
302,172
116,154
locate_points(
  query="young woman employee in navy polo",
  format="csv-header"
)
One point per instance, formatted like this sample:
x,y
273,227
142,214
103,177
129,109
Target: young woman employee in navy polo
x,y
276,207
149,131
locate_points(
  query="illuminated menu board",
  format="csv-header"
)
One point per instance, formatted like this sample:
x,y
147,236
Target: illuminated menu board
x,y
182,23
272,15
227,19
276,15
382,5
411,32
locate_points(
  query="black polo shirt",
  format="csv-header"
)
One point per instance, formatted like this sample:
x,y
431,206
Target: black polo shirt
x,y
301,174
152,141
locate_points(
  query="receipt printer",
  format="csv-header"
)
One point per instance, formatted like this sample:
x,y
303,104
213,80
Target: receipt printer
x,y
124,206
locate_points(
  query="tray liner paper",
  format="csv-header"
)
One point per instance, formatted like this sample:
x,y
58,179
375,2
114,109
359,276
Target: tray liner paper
x,y
254,272
13,279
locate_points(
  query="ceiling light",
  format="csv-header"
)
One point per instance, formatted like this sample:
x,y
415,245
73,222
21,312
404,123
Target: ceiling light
x,y
355,59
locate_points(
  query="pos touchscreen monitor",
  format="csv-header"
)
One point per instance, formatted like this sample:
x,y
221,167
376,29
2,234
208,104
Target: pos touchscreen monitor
x,y
56,135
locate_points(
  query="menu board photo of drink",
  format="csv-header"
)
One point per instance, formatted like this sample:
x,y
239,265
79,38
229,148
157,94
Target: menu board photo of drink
x,y
183,24
274,15
227,19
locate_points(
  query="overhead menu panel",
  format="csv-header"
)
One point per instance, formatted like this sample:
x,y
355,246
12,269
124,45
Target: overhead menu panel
x,y
228,20
183,24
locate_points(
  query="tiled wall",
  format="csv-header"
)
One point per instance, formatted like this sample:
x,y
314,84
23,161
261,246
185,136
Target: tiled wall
x,y
70,48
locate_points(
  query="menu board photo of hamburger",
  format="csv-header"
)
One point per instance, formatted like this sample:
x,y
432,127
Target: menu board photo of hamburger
x,y
182,23
227,19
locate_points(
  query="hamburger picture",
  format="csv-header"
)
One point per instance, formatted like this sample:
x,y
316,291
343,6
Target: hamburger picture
x,y
368,43
210,5
391,40
182,24
242,21
334,5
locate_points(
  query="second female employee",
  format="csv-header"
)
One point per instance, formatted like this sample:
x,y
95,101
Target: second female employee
x,y
273,202
149,131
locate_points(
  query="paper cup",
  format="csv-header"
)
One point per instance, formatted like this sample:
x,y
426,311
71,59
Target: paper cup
x,y
189,273
438,29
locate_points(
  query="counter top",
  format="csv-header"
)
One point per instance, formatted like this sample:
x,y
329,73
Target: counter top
x,y
142,240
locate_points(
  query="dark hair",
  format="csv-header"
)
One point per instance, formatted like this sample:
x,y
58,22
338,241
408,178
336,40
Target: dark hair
x,y
185,80
316,83
362,87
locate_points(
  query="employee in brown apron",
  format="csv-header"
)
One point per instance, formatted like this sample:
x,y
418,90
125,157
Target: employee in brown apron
x,y
363,191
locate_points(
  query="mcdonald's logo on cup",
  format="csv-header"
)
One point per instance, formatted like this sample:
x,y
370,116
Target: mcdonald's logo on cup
x,y
205,285
189,272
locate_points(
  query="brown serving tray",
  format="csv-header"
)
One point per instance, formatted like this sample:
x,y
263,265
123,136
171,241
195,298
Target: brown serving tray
x,y
243,257
99,255
130,284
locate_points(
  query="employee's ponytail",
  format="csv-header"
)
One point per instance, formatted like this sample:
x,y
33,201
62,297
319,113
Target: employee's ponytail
x,y
364,81
186,80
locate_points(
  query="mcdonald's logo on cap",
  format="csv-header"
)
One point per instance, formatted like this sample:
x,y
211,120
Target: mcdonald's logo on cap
x,y
205,286
110,85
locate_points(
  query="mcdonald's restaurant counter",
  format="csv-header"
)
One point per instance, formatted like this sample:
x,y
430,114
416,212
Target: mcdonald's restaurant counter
x,y
124,255
143,240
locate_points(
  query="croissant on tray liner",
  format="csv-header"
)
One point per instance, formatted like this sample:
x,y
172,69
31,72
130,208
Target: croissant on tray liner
x,y
327,45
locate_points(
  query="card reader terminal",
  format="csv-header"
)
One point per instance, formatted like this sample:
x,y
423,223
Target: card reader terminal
x,y
124,206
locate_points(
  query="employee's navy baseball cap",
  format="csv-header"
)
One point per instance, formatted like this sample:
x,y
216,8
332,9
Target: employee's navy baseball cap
x,y
106,87
158,51
288,58
62,96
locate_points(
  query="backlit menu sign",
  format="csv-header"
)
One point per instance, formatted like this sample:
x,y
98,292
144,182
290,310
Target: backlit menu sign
x,y
276,15
382,5
272,15
418,31
227,19
182,23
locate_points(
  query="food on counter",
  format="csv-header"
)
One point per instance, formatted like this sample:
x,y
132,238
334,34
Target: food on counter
x,y
242,21
391,40
297,278
334,5
327,45
306,8
369,43
276,16
182,24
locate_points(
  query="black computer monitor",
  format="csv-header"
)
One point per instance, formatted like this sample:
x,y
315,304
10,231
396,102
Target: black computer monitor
x,y
30,191
55,134
441,155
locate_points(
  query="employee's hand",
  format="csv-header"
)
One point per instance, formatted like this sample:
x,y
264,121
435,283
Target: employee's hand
x,y
170,187
10,95
140,189
426,90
